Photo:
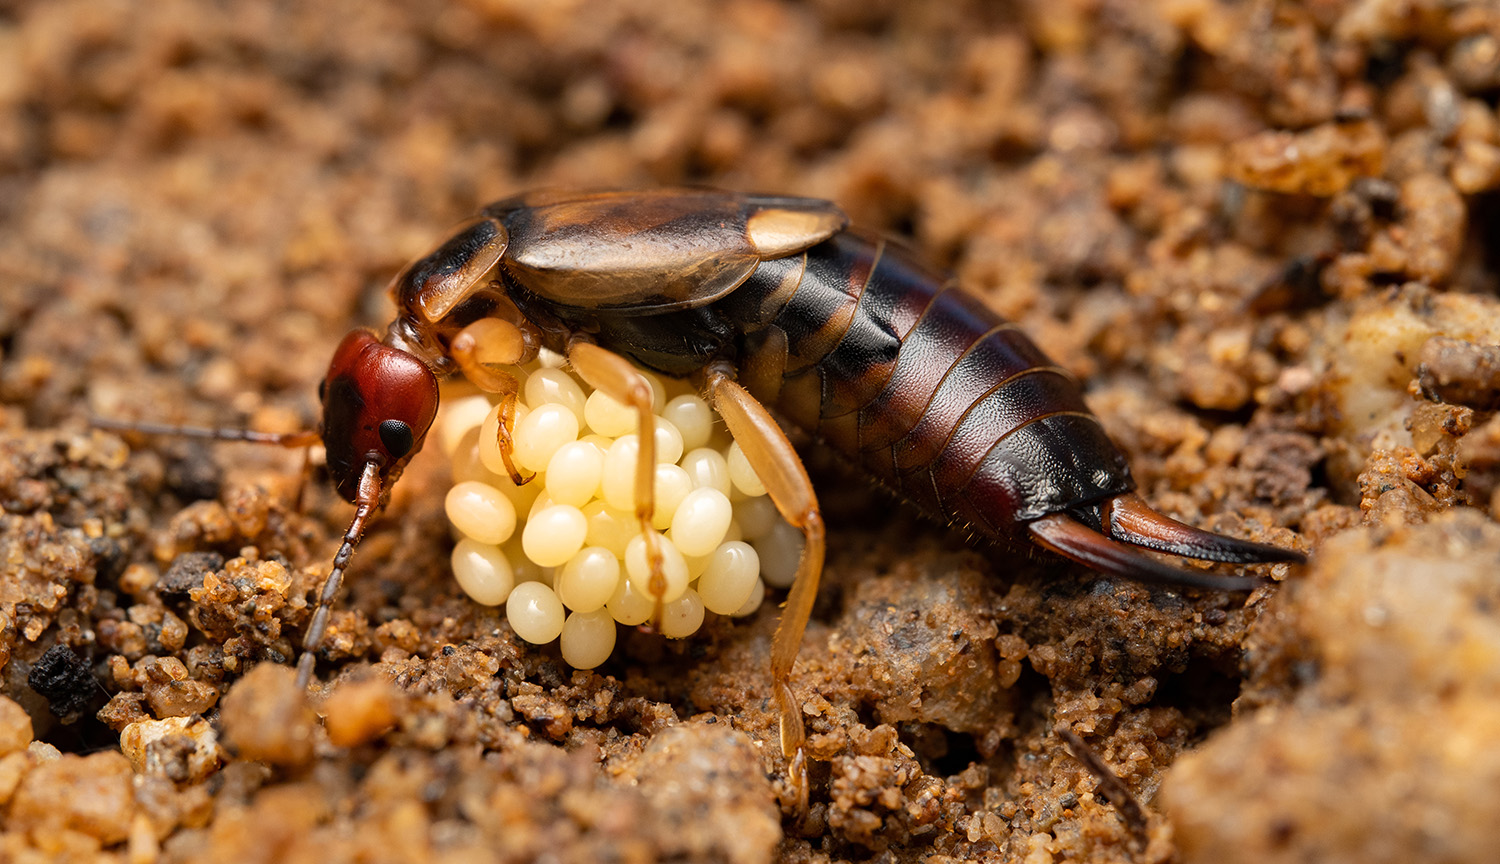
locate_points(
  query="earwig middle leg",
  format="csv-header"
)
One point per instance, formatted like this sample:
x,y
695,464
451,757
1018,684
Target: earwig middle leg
x,y
606,371
478,349
780,469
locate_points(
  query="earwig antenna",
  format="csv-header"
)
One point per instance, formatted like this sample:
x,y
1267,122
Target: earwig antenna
x,y
279,439
364,508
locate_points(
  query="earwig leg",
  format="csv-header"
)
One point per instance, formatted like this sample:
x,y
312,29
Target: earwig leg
x,y
367,499
1070,538
780,469
1131,519
612,374
477,349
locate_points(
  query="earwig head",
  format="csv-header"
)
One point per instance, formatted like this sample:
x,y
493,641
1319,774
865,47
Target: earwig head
x,y
378,403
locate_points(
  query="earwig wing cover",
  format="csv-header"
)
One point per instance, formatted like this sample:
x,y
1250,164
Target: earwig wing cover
x,y
651,251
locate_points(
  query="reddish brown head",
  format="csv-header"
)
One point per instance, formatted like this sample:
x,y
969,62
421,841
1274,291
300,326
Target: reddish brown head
x,y
378,403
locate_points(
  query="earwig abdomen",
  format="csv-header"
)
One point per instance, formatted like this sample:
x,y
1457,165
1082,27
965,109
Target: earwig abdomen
x,y
922,386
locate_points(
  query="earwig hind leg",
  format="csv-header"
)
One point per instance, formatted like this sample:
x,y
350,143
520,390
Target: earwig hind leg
x,y
1130,519
1072,539
780,469
478,349
612,374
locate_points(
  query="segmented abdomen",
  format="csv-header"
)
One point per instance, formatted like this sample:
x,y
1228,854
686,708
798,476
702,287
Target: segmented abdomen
x,y
921,384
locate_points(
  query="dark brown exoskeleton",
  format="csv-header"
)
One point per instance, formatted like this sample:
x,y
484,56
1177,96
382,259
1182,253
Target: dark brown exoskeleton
x,y
770,301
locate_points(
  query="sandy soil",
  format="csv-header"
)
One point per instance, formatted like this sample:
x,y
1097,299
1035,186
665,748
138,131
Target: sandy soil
x,y
1261,232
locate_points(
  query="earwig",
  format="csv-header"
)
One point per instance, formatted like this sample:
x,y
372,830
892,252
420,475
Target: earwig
x,y
767,302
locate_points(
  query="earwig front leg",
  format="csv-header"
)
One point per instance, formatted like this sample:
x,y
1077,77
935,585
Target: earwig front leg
x,y
607,371
780,469
477,349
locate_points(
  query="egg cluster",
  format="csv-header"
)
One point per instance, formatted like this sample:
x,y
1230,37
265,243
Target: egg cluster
x,y
564,551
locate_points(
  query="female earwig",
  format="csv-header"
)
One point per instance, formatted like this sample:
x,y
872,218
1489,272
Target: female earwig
x,y
770,301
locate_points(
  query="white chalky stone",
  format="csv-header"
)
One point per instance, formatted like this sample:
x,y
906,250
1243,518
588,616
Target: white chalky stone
x,y
757,596
682,617
692,417
609,527
638,570
573,473
756,516
608,417
588,638
589,579
555,386
481,511
554,535
534,612
629,606
779,550
699,523
483,572
728,581
489,443
671,485
741,474
458,417
544,430
707,468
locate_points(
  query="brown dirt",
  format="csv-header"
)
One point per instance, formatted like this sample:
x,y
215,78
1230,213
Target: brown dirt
x,y
1260,232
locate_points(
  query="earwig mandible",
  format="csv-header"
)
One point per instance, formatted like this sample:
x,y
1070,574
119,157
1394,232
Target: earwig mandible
x,y
767,301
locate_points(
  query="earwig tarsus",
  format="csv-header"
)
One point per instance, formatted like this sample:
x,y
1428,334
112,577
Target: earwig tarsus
x,y
769,301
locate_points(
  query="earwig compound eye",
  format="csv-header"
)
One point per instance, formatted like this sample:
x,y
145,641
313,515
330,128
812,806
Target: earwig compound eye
x,y
397,438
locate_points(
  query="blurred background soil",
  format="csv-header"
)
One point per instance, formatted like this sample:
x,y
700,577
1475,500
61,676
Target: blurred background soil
x,y
1262,232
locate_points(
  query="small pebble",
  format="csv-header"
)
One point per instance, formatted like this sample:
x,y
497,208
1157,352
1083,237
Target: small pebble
x,y
265,717
15,727
358,712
